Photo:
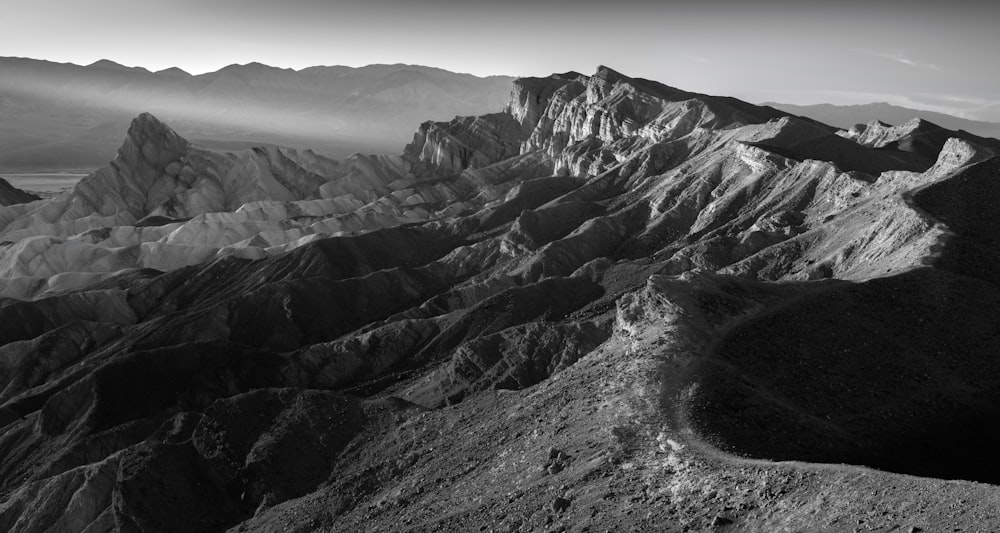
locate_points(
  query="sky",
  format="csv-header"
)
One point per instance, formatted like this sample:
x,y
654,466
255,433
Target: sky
x,y
939,56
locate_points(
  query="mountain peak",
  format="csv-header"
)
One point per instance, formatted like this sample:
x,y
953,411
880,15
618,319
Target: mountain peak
x,y
108,64
569,75
920,123
147,121
150,139
605,76
252,67
608,73
174,71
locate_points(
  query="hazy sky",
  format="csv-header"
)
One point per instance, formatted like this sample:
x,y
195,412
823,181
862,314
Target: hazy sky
x,y
940,55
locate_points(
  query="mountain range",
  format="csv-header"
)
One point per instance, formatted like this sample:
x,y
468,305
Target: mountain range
x,y
846,116
611,305
57,116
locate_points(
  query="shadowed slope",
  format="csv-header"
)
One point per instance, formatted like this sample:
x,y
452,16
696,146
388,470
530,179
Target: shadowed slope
x,y
829,379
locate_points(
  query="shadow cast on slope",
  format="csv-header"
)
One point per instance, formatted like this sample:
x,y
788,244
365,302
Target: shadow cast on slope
x,y
898,373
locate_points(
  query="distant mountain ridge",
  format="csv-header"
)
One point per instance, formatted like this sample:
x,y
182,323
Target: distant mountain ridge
x,y
58,116
846,116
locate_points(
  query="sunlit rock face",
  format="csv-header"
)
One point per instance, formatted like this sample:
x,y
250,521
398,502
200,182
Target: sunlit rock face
x,y
571,291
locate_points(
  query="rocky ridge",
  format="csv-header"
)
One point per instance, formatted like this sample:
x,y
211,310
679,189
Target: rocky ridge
x,y
846,116
614,304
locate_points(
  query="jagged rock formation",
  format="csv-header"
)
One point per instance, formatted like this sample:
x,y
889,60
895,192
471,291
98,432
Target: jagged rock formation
x,y
164,203
541,318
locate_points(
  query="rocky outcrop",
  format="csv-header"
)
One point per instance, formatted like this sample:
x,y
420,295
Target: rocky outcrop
x,y
465,143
